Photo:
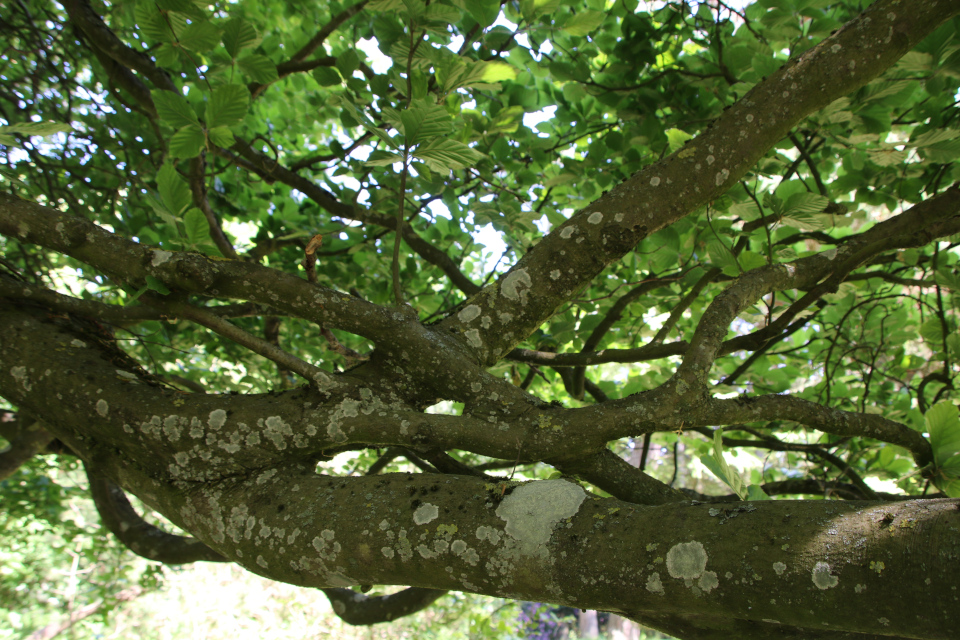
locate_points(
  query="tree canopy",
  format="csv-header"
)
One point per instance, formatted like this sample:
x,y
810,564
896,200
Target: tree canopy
x,y
642,307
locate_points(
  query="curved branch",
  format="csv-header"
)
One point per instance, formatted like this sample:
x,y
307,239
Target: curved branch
x,y
138,535
818,274
233,332
103,38
27,438
130,262
811,414
619,478
358,609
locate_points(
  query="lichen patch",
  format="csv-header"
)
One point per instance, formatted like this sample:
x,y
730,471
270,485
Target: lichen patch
x,y
822,577
426,513
516,285
533,509
687,560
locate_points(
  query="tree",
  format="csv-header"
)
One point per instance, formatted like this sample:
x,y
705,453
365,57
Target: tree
x,y
734,233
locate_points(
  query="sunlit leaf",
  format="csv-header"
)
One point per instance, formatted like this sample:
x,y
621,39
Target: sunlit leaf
x,y
227,105
173,109
174,191
584,22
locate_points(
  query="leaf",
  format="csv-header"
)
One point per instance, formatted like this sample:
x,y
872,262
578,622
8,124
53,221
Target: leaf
x,y
36,128
383,158
425,121
200,36
485,12
584,22
446,154
532,8
187,142
915,61
385,5
258,68
168,55
174,191
151,22
196,226
933,136
943,425
676,138
182,6
718,465
721,256
745,210
238,34
347,63
803,221
454,73
221,136
155,285
228,105
932,332
951,466
805,202
327,76
442,14
887,157
174,109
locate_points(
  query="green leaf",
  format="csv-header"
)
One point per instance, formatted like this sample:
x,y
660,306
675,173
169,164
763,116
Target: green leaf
x,y
327,76
718,465
934,136
258,68
754,492
446,154
168,55
196,226
187,142
722,257
183,6
151,22
383,158
221,136
932,332
238,34
200,36
454,73
155,285
803,221
424,121
485,12
533,8
943,425
951,466
35,129
677,138
228,105
805,202
385,5
441,13
745,210
347,63
174,191
584,22
174,109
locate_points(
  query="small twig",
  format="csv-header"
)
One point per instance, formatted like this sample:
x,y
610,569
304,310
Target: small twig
x,y
231,331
